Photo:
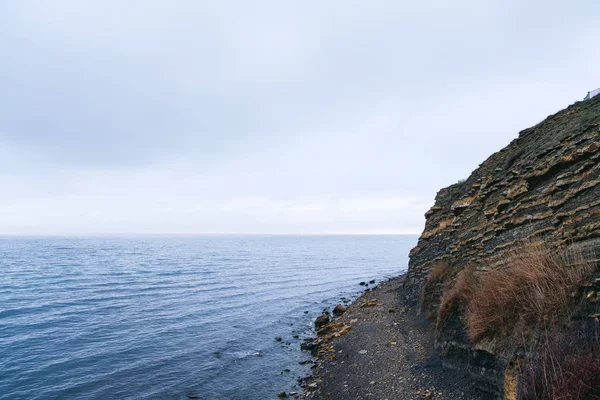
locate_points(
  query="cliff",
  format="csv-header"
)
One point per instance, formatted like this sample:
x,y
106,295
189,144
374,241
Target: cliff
x,y
543,186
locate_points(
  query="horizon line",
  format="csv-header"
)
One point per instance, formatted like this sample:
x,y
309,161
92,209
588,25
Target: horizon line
x,y
213,234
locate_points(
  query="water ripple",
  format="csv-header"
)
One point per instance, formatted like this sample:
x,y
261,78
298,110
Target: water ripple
x,y
159,317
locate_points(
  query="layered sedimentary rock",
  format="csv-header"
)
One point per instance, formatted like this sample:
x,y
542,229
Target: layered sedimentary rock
x,y
544,185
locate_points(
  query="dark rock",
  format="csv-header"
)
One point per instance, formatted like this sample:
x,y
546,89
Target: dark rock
x,y
544,194
362,283
282,395
372,281
543,185
321,321
339,310
278,339
310,345
193,396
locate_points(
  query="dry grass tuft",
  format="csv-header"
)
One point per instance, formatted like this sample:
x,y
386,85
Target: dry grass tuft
x,y
528,302
439,274
457,294
536,288
566,366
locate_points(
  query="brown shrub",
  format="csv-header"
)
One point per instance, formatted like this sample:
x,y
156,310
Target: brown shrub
x,y
535,288
439,272
457,294
566,366
438,275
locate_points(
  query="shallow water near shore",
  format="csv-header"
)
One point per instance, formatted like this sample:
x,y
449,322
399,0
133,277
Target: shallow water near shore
x,y
164,316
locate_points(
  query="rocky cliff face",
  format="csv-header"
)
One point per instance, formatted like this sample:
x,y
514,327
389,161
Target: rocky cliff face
x,y
544,184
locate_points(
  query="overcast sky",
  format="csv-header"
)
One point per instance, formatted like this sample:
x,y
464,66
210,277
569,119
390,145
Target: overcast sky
x,y
269,116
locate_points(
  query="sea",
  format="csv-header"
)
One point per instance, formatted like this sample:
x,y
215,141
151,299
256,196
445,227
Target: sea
x,y
174,317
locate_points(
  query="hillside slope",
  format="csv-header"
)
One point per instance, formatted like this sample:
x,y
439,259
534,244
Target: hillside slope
x,y
544,186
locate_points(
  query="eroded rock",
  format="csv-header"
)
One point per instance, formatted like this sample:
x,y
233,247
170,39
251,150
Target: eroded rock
x,y
545,185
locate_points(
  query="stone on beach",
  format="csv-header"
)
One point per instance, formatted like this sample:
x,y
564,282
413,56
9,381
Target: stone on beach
x,y
321,321
339,310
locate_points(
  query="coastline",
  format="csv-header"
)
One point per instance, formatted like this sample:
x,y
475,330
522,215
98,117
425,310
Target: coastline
x,y
380,348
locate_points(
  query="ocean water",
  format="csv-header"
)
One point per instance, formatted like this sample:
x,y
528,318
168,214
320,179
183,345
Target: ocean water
x,y
163,317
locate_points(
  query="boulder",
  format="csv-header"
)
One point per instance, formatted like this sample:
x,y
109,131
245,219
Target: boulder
x,y
321,321
339,310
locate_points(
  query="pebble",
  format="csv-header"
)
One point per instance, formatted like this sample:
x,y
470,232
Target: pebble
x,y
362,352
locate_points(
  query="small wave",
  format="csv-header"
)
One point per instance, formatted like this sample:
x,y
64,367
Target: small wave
x,y
130,318
243,354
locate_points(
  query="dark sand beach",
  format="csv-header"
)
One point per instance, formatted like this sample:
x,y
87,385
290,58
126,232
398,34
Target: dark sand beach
x,y
387,354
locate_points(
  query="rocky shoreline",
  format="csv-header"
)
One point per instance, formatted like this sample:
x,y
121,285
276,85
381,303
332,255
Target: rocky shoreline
x,y
530,213
380,348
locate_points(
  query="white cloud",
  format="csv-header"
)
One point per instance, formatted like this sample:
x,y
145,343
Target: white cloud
x,y
266,116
